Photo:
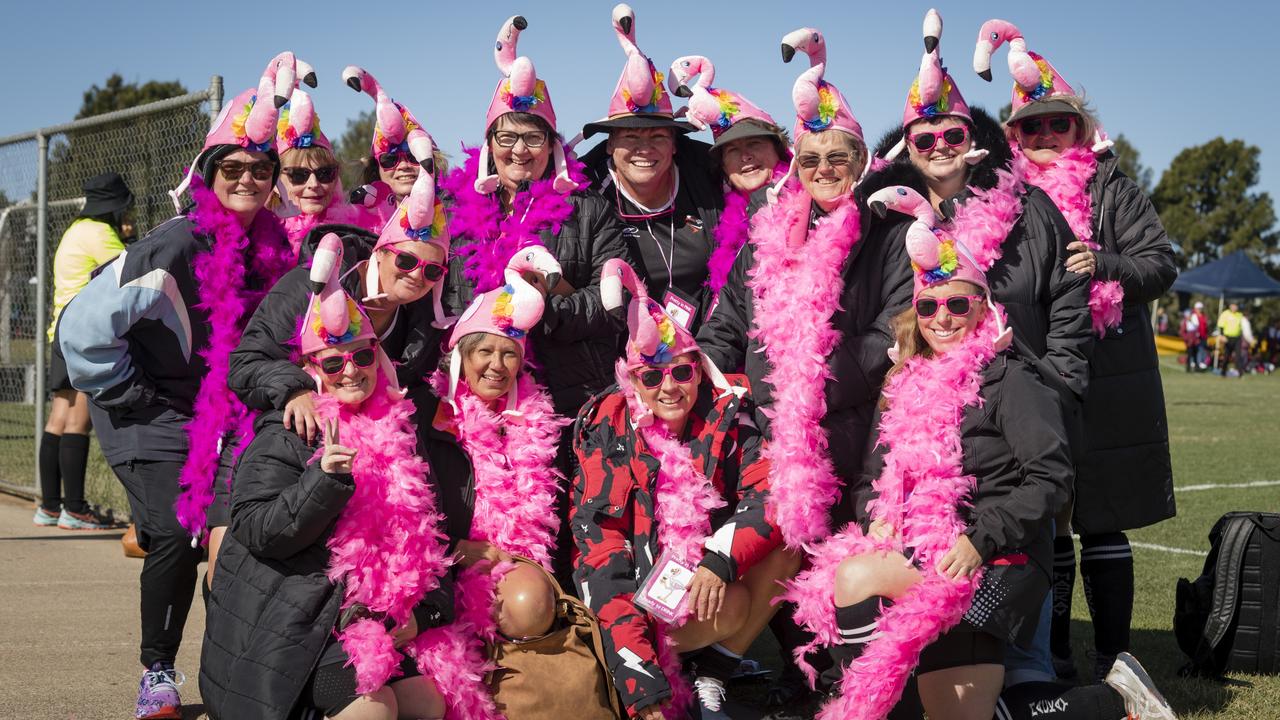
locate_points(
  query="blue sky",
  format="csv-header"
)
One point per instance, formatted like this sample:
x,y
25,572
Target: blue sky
x,y
1167,75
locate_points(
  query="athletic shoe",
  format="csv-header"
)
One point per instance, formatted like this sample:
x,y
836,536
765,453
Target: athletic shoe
x,y
80,521
158,693
1102,665
1142,701
709,693
44,518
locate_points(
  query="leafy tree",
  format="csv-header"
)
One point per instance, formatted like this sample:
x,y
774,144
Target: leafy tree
x,y
1206,204
1131,162
1005,111
119,95
352,149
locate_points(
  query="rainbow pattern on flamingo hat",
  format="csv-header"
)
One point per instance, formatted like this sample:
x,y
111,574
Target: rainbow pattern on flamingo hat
x,y
520,89
666,336
503,310
355,324
718,109
1034,77
819,104
299,125
933,91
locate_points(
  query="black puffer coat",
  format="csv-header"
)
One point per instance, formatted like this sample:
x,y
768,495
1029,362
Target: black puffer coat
x,y
576,343
272,609
262,371
1125,480
877,286
1048,306
1015,446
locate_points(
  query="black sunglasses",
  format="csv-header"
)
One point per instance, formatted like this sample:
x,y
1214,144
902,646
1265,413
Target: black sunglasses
x,y
651,377
957,305
233,170
300,176
1058,125
335,364
408,262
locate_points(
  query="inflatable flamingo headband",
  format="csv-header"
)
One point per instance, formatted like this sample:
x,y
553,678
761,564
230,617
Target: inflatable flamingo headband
x,y
244,121
508,311
395,128
1036,83
936,255
653,337
934,92
710,107
520,90
333,317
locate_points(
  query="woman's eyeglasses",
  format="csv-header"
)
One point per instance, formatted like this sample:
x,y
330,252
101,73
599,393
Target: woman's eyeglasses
x,y
233,170
533,139
812,161
928,140
300,176
652,377
408,262
1058,125
335,364
957,305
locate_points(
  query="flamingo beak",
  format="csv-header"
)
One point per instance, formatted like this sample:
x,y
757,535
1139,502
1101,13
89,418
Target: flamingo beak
x,y
625,22
985,74
280,101
354,83
310,79
683,91
788,52
553,279
930,43
879,208
519,22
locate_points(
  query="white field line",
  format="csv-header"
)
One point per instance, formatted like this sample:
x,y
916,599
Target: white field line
x,y
1166,548
1227,486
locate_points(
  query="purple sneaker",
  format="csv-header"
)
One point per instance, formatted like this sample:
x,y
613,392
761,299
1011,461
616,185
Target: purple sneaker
x,y
158,693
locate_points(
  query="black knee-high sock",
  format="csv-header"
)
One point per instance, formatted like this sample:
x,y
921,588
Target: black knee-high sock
x,y
791,636
857,625
73,455
1064,580
1106,567
50,478
1052,701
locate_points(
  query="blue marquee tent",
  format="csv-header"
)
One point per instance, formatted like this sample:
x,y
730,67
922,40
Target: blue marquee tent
x,y
1234,276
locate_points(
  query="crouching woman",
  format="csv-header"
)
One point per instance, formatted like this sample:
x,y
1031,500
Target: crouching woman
x,y
335,559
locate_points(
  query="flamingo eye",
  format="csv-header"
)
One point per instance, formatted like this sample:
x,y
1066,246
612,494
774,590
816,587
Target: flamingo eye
x,y
995,36
686,63
817,37
902,192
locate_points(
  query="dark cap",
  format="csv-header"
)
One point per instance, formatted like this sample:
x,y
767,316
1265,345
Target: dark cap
x,y
635,121
748,128
1049,106
105,194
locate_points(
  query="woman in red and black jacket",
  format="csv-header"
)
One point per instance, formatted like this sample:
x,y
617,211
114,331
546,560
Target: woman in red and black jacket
x,y
671,469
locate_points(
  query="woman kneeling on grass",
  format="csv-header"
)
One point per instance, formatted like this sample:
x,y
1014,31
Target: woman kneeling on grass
x,y
334,561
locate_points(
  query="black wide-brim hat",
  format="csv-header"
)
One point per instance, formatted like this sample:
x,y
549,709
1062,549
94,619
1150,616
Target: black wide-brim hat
x,y
105,194
643,120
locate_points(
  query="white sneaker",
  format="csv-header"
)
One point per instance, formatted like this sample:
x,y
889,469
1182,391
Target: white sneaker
x,y
710,694
1142,701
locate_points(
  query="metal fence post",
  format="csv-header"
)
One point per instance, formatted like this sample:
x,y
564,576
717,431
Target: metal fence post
x,y
42,271
215,97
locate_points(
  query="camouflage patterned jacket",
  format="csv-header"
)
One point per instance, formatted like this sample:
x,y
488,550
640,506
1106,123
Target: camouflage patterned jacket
x,y
614,528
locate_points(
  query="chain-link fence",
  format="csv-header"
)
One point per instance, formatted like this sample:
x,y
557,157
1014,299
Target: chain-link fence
x,y
41,177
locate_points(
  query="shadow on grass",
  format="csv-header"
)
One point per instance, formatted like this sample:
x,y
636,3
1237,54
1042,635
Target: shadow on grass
x,y
86,535
192,712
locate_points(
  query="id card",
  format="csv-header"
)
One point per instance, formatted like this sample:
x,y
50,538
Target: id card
x,y
665,591
680,308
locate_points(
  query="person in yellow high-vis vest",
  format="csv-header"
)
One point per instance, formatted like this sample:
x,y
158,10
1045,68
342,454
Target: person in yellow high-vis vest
x,y
1230,323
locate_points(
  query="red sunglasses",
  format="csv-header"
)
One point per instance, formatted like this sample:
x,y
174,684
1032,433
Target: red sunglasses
x,y
926,141
652,377
408,262
957,305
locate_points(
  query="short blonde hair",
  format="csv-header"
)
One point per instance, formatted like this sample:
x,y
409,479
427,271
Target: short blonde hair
x,y
315,156
1086,126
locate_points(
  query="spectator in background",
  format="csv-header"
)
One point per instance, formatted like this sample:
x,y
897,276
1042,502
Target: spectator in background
x,y
1189,330
1162,321
1230,324
1244,349
94,238
1202,348
1272,350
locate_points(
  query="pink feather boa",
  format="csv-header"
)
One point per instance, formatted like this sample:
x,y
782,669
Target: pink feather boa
x,y
340,211
731,233
262,254
797,288
387,549
484,236
683,502
984,220
1066,182
513,462
920,491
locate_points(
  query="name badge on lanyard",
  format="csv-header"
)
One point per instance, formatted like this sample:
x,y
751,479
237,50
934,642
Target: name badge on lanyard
x,y
680,307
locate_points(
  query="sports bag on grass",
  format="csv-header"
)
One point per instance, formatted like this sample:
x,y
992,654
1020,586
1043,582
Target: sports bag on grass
x,y
1228,619
560,675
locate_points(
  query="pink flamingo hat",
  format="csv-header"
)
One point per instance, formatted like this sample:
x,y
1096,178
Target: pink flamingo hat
x,y
710,107
934,92
244,121
333,317
1036,83
639,99
819,104
395,128
299,125
936,255
508,311
653,337
520,90
419,218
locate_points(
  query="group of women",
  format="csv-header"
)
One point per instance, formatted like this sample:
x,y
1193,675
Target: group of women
x,y
786,370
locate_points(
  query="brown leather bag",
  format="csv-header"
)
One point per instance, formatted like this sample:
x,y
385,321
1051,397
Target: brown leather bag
x,y
130,542
562,674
